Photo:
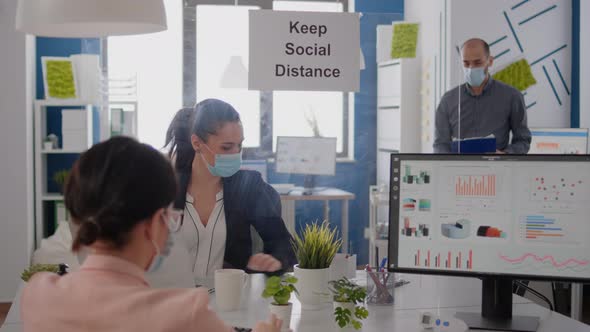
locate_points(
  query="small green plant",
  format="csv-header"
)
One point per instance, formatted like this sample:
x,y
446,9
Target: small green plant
x,y
280,289
28,273
61,176
317,246
346,291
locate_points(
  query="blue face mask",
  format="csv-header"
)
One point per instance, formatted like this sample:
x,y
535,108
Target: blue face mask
x,y
226,165
160,255
474,76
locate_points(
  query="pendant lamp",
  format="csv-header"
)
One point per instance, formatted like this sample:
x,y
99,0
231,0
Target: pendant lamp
x,y
90,18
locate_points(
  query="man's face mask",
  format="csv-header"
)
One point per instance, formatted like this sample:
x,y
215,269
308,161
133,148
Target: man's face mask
x,y
475,76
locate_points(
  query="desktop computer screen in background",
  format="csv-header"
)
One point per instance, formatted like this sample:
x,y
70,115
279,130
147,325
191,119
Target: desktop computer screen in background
x,y
306,155
511,217
559,141
309,156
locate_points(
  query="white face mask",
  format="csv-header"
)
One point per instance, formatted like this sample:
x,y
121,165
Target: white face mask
x,y
475,76
156,261
160,255
225,165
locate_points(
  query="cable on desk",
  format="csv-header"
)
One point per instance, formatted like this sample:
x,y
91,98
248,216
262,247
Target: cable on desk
x,y
534,292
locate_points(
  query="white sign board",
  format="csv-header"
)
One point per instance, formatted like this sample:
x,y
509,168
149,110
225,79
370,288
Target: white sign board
x,y
306,51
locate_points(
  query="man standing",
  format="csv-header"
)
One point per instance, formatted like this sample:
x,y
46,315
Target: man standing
x,y
487,106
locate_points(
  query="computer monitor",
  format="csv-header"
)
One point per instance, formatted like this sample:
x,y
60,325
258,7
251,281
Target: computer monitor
x,y
494,217
559,141
309,156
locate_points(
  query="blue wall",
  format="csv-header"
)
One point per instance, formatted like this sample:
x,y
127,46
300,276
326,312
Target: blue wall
x,y
357,176
380,6
575,113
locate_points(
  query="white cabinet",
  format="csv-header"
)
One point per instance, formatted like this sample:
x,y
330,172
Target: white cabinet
x,y
398,131
72,121
398,111
388,79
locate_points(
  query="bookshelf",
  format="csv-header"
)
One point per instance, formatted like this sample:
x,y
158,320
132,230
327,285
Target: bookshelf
x,y
48,120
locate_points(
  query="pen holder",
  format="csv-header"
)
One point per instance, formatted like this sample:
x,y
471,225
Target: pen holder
x,y
380,286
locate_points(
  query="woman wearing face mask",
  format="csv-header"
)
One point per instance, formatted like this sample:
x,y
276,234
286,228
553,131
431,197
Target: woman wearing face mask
x,y
120,193
220,201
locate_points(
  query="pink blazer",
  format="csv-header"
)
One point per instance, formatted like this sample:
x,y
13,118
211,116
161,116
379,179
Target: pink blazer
x,y
111,294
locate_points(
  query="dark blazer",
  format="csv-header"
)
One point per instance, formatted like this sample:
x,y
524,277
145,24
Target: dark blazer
x,y
249,201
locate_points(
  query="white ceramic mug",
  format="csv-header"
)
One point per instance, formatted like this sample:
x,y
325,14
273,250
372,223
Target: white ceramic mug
x,y
228,288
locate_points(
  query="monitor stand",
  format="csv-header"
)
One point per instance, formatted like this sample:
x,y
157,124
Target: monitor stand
x,y
309,187
496,310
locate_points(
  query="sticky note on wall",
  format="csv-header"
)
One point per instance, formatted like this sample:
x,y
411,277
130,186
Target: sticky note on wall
x,y
517,74
404,40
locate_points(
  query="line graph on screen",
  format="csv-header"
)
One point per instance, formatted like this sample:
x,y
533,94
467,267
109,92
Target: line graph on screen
x,y
531,259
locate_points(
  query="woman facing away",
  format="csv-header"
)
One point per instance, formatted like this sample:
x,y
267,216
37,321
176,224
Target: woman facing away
x,y
120,193
220,201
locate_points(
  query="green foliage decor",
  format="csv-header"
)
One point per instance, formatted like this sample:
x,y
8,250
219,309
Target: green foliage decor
x,y
317,246
404,40
346,291
280,289
518,74
28,273
60,177
60,79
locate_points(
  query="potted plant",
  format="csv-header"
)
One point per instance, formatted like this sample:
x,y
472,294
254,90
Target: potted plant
x,y
314,249
60,178
47,144
280,290
348,299
28,273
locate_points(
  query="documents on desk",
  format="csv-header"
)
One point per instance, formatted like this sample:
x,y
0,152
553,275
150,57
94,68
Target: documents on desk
x,y
283,188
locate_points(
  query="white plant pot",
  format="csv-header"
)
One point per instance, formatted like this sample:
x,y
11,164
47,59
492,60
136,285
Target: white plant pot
x,y
312,285
345,305
283,312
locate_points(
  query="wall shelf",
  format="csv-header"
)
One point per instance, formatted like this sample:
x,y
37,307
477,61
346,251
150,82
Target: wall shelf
x,y
61,151
52,197
49,161
65,102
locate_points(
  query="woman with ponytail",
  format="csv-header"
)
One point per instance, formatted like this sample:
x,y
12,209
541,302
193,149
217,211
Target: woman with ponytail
x,y
121,194
220,201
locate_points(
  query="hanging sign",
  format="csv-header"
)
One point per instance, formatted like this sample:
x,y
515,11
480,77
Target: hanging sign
x,y
306,51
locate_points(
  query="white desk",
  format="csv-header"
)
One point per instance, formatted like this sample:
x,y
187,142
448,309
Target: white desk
x,y
441,295
326,195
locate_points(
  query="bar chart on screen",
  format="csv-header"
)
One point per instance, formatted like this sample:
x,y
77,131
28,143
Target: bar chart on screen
x,y
451,259
549,229
472,189
475,185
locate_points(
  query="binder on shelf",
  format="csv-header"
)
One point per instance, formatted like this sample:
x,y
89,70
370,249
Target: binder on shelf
x,y
122,122
76,129
474,145
61,214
